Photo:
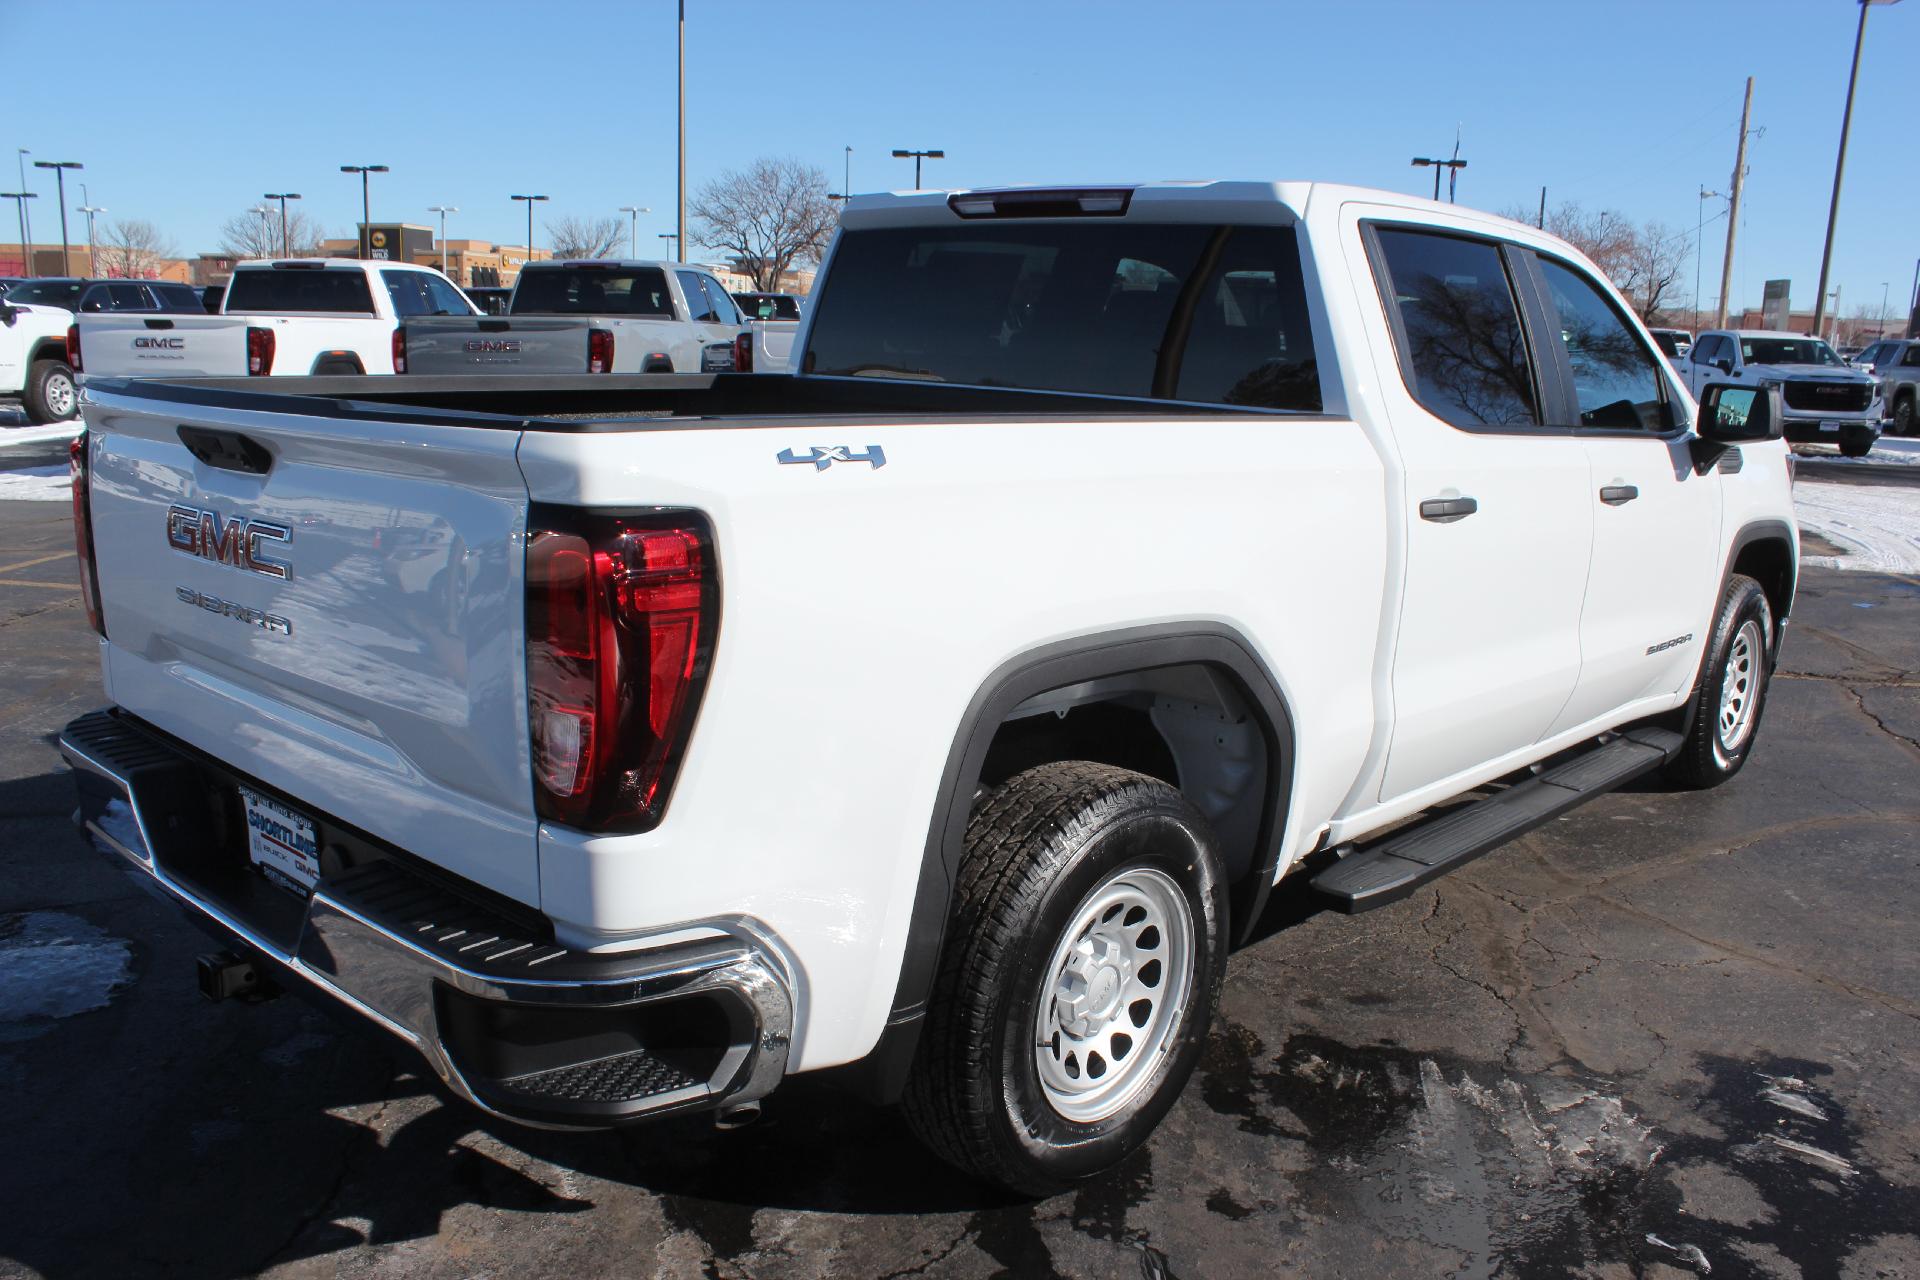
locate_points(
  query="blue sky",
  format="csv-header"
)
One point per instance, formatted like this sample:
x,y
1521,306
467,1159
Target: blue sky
x,y
185,112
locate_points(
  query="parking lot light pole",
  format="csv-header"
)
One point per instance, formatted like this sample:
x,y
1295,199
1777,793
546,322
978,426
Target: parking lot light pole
x,y
26,221
674,247
917,157
633,233
20,199
286,247
443,210
60,168
93,254
366,203
531,201
1840,162
1456,164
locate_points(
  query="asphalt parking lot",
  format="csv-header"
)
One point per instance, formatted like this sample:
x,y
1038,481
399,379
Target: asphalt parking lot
x,y
1668,1034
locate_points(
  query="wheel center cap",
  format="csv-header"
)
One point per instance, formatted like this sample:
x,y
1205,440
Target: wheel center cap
x,y
1102,991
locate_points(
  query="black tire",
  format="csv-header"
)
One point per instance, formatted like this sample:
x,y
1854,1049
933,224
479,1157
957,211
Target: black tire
x,y
1903,414
51,389
1042,852
1857,443
1712,753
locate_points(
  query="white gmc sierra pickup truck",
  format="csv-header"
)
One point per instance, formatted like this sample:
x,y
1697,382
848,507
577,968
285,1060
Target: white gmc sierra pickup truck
x,y
33,362
942,713
295,317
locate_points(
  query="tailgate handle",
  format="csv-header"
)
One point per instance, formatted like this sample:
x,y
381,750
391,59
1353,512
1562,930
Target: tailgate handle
x,y
227,450
159,324
495,326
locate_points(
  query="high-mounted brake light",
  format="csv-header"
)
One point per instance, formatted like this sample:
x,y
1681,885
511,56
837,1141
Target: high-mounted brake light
x,y
259,352
621,612
599,351
83,532
743,353
400,349
73,348
1110,202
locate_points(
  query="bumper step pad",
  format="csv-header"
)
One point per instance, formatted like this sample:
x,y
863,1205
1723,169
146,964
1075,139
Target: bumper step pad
x,y
1387,871
624,1077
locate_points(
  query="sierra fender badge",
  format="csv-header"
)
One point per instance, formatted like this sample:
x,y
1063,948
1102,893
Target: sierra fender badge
x,y
1664,645
820,459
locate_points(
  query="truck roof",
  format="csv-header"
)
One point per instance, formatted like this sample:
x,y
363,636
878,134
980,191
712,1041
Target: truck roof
x,y
604,264
328,264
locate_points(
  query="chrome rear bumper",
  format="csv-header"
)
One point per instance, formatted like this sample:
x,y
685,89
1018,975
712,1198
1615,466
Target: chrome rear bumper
x,y
467,989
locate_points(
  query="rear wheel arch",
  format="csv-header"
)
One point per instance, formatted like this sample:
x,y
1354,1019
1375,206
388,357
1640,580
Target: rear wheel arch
x,y
337,363
49,349
1141,671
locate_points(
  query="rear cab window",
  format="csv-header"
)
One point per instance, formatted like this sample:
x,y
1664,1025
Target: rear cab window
x,y
592,291
299,290
1212,314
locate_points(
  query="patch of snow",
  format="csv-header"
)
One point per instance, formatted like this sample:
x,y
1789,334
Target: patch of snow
x,y
1888,451
1878,525
54,965
11,435
35,484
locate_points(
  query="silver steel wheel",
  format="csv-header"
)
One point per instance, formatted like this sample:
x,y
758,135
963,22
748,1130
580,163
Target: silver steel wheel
x,y
1740,686
60,395
1115,994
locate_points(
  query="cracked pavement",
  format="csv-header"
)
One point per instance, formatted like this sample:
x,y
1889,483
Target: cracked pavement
x,y
1665,1033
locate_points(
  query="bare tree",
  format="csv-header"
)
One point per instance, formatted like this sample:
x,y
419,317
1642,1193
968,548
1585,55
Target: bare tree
x,y
770,218
586,237
1644,262
133,248
250,235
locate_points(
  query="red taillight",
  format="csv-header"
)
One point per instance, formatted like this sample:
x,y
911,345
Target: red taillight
x,y
400,349
743,353
620,625
83,532
73,347
259,352
599,351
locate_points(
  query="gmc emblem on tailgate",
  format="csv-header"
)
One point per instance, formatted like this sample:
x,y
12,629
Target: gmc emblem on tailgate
x,y
237,542
163,344
493,346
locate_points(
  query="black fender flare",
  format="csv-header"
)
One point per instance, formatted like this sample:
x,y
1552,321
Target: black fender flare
x,y
883,1072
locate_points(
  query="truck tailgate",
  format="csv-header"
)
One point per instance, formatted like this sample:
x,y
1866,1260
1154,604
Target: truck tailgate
x,y
518,344
123,346
332,606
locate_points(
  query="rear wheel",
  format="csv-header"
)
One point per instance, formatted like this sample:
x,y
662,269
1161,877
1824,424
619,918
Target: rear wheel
x,y
1903,415
1732,691
50,394
1082,962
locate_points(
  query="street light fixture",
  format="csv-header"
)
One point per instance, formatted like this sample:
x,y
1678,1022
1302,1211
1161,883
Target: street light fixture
x,y
366,205
1840,163
1456,164
443,210
26,222
286,246
266,229
633,234
20,199
674,248
917,157
530,203
60,168
93,254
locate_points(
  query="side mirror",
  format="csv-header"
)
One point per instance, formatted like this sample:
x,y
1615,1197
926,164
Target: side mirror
x,y
1740,415
8,315
1724,364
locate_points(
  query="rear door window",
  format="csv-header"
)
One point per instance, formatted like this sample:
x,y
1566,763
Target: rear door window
x,y
1465,352
699,305
1215,314
720,302
403,288
299,290
1616,377
443,297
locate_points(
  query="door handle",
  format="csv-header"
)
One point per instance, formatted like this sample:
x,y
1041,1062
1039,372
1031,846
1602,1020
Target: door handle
x,y
1447,510
1615,495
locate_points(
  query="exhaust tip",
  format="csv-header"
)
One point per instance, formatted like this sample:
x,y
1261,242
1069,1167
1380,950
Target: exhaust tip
x,y
736,1117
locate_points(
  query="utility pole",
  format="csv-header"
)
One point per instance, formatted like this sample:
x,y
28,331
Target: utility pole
x,y
1733,208
1913,298
680,228
20,199
1840,162
846,174
26,219
1699,235
286,247
93,253
1542,224
266,229
443,210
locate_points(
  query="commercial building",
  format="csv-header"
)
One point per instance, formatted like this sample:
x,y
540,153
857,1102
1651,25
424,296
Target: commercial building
x,y
80,262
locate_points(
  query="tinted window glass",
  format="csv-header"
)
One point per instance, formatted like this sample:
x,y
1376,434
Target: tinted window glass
x,y
720,301
96,298
1911,358
768,306
1616,380
409,299
1667,341
444,298
1464,342
591,291
699,306
1707,350
1786,351
302,289
176,297
46,293
1073,306
129,297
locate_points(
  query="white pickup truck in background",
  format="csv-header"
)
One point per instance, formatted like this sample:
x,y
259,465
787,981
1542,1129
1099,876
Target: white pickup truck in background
x,y
943,714
591,316
296,317
33,362
774,319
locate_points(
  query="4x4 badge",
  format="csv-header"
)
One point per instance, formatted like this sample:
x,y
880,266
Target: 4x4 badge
x,y
820,459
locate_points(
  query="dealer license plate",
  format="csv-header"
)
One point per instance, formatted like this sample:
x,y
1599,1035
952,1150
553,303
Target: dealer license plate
x,y
281,842
1829,426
